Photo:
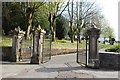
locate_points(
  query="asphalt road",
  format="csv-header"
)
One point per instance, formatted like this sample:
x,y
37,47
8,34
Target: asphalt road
x,y
61,66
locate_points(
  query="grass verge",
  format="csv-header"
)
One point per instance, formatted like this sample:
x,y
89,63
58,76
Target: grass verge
x,y
6,41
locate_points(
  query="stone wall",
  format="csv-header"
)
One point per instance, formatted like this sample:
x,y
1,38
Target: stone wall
x,y
109,60
6,53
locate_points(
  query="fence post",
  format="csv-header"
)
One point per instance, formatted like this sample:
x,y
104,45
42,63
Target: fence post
x,y
37,46
17,38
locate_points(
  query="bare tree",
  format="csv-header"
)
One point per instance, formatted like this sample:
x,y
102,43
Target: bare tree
x,y
71,21
54,11
84,15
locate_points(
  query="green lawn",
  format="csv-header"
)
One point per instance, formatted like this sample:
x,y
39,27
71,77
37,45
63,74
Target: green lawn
x,y
7,42
67,44
102,46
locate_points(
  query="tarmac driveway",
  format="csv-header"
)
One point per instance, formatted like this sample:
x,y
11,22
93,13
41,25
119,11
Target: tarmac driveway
x,y
60,66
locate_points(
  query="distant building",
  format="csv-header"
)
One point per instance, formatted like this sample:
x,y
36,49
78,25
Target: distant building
x,y
102,39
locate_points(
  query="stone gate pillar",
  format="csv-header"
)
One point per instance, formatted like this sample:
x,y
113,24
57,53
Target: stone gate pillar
x,y
93,55
41,45
37,46
34,58
16,43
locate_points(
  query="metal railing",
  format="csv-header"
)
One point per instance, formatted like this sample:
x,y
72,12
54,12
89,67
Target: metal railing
x,y
82,56
46,54
26,47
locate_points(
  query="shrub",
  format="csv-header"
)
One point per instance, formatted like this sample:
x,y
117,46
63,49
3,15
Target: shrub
x,y
115,48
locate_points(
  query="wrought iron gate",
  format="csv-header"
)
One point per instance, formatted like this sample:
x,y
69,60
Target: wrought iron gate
x,y
26,48
82,55
46,54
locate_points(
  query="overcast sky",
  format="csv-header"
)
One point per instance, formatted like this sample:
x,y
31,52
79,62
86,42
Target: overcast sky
x,y
110,10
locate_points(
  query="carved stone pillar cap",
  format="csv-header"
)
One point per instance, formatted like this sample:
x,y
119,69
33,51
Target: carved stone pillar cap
x,y
93,31
36,32
43,31
21,32
18,31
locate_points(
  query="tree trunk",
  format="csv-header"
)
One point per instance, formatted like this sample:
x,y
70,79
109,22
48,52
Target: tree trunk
x,y
54,29
52,26
53,32
53,35
72,38
104,41
79,40
71,24
28,24
79,36
52,19
28,32
72,34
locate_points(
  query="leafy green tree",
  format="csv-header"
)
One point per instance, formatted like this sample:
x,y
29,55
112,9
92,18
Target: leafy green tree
x,y
22,14
61,27
5,17
28,10
40,18
54,10
108,32
11,16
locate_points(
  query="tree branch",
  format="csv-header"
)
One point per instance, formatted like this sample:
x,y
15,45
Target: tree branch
x,y
64,8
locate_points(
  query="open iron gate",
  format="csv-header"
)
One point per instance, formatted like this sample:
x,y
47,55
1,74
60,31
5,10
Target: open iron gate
x,y
82,50
26,47
46,54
